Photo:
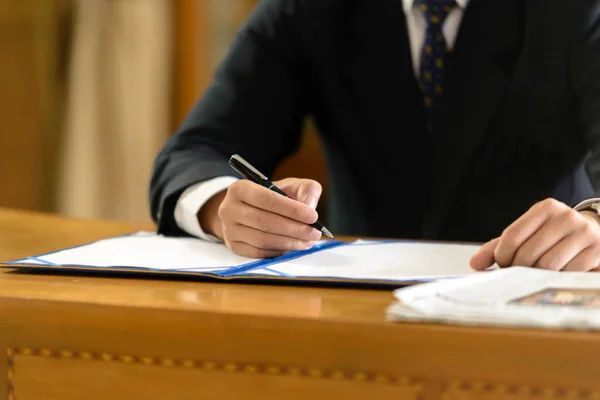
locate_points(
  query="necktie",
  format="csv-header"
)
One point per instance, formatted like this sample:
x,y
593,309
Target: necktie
x,y
432,55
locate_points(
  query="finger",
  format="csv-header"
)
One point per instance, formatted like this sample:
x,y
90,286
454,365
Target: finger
x,y
523,228
266,241
268,200
246,250
484,258
552,232
304,190
587,260
274,223
563,252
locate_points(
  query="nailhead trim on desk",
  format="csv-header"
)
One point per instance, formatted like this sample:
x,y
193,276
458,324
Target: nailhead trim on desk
x,y
475,389
451,389
231,367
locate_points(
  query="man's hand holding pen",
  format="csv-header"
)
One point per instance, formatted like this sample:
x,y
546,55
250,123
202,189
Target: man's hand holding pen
x,y
256,222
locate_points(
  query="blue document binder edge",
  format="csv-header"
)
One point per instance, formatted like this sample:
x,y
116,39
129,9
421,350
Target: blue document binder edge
x,y
228,271
243,270
359,243
286,257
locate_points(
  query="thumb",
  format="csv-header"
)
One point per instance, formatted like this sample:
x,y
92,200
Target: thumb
x,y
484,258
306,191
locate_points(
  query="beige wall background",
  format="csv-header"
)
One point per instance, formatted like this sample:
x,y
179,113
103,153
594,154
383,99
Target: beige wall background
x,y
117,109
93,88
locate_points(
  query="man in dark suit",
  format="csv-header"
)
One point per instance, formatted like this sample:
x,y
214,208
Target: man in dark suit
x,y
470,120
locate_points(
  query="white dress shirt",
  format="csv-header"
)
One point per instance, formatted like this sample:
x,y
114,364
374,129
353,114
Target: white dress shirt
x,y
194,197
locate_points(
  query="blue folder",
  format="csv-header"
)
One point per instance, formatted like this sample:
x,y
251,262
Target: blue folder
x,y
388,263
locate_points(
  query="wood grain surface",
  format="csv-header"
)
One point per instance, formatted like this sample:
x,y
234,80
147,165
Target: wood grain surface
x,y
76,337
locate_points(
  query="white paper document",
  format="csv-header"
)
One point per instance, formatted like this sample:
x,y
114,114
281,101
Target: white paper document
x,y
515,296
146,250
388,260
381,261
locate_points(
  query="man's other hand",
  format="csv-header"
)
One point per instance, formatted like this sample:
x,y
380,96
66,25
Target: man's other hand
x,y
550,235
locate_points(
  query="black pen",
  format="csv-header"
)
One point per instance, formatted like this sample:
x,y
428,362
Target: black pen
x,y
249,172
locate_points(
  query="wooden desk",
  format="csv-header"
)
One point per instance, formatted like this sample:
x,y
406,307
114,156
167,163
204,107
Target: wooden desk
x,y
104,338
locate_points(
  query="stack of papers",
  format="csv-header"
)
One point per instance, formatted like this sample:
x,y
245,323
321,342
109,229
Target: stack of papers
x,y
380,262
515,296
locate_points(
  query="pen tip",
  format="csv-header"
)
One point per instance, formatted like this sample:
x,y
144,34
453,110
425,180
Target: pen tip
x,y
326,232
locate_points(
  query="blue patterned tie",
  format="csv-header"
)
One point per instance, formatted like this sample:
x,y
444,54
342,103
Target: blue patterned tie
x,y
432,55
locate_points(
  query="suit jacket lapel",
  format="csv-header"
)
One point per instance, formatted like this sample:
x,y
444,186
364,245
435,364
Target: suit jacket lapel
x,y
376,63
477,73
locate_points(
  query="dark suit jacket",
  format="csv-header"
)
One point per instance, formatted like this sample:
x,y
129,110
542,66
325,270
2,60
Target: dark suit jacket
x,y
520,120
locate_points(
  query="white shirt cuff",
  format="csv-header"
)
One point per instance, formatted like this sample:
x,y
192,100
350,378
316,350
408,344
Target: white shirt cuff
x,y
192,199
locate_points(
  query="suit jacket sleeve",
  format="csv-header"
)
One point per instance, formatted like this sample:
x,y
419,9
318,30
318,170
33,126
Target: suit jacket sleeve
x,y
585,69
254,106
